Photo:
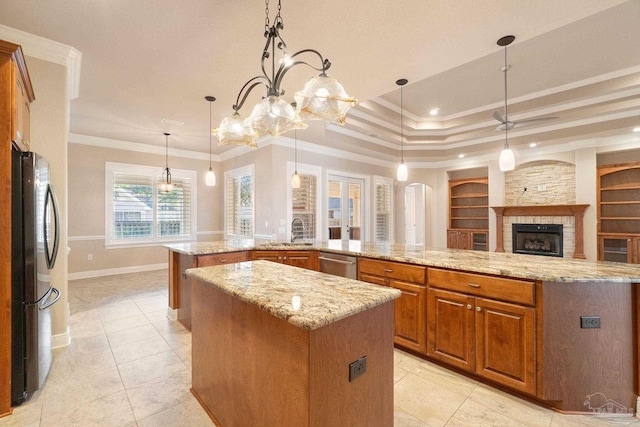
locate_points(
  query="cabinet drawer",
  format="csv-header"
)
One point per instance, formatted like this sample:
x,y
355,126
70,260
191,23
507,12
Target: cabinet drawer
x,y
393,270
219,259
518,291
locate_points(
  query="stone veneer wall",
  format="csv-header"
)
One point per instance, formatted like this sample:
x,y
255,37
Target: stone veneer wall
x,y
548,182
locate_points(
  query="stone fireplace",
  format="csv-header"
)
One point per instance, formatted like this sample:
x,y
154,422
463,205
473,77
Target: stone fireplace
x,y
537,239
570,217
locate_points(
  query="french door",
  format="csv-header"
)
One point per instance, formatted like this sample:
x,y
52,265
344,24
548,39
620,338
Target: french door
x,y
345,213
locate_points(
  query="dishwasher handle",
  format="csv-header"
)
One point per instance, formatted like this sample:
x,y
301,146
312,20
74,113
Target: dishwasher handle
x,y
339,261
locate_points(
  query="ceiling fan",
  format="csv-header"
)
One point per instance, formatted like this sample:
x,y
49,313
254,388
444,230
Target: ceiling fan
x,y
505,123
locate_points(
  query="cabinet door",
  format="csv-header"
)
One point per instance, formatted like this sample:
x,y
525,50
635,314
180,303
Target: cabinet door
x,y
505,344
452,239
450,335
410,316
303,259
615,248
479,241
275,256
464,240
636,250
22,116
184,289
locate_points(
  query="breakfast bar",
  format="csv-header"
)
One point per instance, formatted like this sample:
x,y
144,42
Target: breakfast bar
x,y
279,345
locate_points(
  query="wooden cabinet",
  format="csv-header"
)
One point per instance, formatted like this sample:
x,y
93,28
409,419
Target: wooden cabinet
x,y
484,325
619,213
184,282
14,111
468,214
309,259
410,308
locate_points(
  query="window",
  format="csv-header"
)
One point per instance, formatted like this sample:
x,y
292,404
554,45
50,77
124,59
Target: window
x,y
238,199
383,219
303,208
136,213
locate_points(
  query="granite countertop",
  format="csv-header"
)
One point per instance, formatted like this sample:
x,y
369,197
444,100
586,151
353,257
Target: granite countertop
x,y
531,267
305,298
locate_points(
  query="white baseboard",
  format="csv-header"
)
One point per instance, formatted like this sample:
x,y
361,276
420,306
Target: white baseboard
x,y
172,314
114,271
61,340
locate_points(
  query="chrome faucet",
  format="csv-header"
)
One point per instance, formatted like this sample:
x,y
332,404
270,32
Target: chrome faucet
x,y
297,229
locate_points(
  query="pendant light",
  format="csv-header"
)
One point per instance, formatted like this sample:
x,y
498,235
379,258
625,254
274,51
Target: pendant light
x,y
295,178
166,186
507,160
210,178
402,173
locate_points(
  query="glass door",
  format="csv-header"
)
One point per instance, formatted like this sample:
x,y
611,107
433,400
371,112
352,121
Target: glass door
x,y
345,209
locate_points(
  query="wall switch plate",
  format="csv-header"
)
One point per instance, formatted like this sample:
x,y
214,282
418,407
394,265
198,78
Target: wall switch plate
x,y
590,322
357,368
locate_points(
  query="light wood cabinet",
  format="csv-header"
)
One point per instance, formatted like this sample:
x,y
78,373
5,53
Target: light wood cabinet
x,y
410,308
14,111
619,213
484,325
468,214
184,282
309,259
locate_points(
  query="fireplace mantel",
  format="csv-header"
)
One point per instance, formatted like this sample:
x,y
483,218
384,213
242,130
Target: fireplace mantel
x,y
576,211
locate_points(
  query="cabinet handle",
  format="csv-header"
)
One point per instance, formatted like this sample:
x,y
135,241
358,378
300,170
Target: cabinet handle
x,y
223,261
478,309
184,276
284,257
388,270
473,285
468,306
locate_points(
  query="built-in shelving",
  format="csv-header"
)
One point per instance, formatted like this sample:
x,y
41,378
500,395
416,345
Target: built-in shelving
x,y
619,213
468,213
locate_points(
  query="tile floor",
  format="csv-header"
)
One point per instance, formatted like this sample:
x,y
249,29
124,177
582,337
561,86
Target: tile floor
x,y
128,365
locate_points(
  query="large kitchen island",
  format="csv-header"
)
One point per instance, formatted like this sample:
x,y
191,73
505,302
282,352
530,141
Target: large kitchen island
x,y
277,345
558,331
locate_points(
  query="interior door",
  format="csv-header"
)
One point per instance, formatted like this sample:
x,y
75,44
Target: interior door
x,y
345,212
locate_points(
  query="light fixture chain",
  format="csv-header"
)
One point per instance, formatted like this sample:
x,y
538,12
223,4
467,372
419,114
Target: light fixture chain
x,y
266,17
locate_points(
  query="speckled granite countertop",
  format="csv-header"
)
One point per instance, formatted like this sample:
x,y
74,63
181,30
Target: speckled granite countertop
x,y
549,269
307,299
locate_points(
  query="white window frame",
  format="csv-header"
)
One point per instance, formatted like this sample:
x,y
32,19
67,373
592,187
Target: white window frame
x,y
365,227
155,173
236,173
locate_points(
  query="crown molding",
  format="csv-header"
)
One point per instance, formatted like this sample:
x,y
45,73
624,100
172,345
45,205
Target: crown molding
x,y
51,51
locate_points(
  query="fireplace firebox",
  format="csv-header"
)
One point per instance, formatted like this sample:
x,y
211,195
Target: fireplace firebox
x,y
537,239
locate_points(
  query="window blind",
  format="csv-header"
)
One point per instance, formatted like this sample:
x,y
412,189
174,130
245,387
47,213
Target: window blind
x,y
383,212
304,207
239,205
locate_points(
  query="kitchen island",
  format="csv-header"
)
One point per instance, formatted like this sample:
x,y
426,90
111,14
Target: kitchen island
x,y
279,345
540,327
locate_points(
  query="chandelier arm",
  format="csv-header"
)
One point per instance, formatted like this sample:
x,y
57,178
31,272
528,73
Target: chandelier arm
x,y
284,69
247,88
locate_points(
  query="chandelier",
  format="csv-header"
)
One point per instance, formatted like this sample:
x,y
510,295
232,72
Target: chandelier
x,y
322,98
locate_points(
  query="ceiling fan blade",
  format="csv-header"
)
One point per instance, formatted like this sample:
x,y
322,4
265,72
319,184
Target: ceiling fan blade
x,y
539,119
498,117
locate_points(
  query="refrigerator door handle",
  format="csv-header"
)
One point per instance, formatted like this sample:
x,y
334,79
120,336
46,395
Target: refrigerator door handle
x,y
51,256
46,301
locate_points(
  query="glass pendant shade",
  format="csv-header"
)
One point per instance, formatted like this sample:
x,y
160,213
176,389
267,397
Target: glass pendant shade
x,y
507,160
295,180
324,98
274,115
210,178
234,130
402,173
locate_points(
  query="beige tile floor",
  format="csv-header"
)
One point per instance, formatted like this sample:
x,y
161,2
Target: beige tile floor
x,y
128,365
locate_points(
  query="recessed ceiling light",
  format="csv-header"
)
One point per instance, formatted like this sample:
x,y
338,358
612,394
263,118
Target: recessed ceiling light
x,y
172,122
461,156
636,129
434,111
533,144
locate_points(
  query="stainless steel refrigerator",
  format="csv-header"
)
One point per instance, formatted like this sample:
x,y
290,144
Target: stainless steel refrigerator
x,y
35,238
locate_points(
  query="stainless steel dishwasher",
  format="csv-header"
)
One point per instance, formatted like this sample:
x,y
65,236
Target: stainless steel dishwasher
x,y
339,265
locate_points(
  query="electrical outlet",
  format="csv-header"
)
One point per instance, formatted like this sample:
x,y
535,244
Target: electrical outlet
x,y
542,187
89,257
357,368
590,322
